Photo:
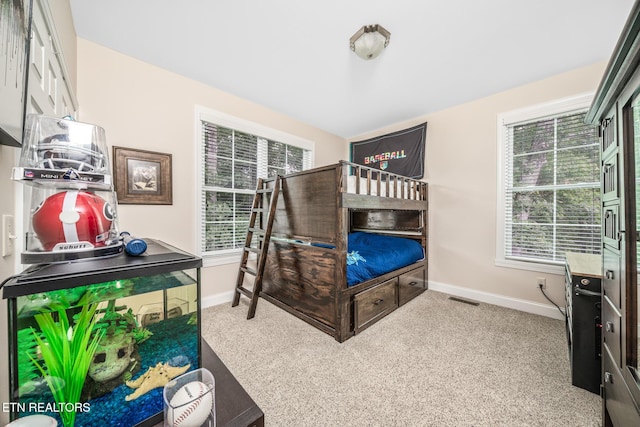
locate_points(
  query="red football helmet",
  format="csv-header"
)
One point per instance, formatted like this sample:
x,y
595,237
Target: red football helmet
x,y
73,220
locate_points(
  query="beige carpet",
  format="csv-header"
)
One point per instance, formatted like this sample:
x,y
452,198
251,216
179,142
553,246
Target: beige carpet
x,y
433,362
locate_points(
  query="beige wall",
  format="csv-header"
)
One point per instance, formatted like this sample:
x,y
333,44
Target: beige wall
x,y
143,106
461,168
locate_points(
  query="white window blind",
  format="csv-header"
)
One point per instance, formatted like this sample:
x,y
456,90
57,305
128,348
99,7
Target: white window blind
x,y
551,189
232,161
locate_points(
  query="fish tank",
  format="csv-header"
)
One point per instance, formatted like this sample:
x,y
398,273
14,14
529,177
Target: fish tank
x,y
93,342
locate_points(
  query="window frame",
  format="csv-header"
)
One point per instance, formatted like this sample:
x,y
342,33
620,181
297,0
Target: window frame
x,y
231,256
576,103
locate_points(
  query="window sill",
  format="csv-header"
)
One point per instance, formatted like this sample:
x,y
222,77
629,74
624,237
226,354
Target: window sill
x,y
530,266
217,260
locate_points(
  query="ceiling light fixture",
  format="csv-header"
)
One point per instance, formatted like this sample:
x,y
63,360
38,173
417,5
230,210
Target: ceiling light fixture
x,y
369,41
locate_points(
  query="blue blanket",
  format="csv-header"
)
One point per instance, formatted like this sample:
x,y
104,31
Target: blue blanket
x,y
371,255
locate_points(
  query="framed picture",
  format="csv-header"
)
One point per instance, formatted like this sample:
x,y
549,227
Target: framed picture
x,y
142,177
15,25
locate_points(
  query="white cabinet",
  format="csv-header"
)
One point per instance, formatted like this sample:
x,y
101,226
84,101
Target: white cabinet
x,y
49,91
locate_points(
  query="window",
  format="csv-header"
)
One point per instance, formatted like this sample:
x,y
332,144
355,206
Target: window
x,y
549,198
233,155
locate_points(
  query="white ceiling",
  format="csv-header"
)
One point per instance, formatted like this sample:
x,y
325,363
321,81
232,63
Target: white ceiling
x,y
293,56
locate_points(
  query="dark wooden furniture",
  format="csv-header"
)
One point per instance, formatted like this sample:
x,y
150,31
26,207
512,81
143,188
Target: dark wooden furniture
x,y
584,327
260,224
305,270
616,109
234,407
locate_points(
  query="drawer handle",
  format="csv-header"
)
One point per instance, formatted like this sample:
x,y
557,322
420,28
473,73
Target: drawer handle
x,y
580,291
609,274
608,377
378,301
609,327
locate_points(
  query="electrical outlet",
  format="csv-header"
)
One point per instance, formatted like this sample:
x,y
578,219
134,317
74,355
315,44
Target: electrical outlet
x,y
8,235
541,282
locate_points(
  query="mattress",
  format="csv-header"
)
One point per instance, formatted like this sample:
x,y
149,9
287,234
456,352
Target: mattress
x,y
371,255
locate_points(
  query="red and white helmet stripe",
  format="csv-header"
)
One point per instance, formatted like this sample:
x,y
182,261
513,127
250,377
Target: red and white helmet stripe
x,y
69,217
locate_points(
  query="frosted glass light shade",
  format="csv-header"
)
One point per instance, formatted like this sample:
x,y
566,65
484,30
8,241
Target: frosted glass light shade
x,y
369,41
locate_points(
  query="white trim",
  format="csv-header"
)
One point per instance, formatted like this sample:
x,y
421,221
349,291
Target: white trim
x,y
536,112
548,109
499,300
246,126
530,266
217,299
215,260
484,297
222,119
197,164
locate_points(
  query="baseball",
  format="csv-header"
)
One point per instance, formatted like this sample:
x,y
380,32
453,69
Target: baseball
x,y
191,405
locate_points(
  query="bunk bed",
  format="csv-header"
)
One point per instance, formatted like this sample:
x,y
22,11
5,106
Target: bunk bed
x,y
329,224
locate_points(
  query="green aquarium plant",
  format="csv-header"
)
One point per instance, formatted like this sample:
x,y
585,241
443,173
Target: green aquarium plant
x,y
67,352
27,371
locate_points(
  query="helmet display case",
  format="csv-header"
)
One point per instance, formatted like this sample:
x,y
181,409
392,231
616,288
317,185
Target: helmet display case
x,y
69,200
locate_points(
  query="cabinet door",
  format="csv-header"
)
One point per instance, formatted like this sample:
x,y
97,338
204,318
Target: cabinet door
x,y
609,140
49,92
610,178
611,276
620,235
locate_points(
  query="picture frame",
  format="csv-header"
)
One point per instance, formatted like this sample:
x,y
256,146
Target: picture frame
x,y
142,177
15,22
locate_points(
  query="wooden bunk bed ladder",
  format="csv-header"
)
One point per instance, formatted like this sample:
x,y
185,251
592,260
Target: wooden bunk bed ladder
x,y
260,226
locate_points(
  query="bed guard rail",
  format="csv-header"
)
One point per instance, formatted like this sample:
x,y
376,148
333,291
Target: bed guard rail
x,y
377,182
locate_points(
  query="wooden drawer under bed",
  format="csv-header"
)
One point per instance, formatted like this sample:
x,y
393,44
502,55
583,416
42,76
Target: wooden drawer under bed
x,y
411,284
374,303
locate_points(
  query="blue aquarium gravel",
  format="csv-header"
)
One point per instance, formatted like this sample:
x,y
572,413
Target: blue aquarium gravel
x,y
174,341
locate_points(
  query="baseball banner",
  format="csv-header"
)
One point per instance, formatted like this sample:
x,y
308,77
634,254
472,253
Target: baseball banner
x,y
400,152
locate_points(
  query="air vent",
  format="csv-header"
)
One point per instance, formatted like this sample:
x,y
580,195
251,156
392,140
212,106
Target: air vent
x,y
464,301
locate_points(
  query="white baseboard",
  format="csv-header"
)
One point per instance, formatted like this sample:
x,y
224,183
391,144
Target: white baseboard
x,y
486,297
217,299
495,299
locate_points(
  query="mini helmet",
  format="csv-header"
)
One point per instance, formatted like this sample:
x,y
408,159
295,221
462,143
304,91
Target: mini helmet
x,y
73,220
57,152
